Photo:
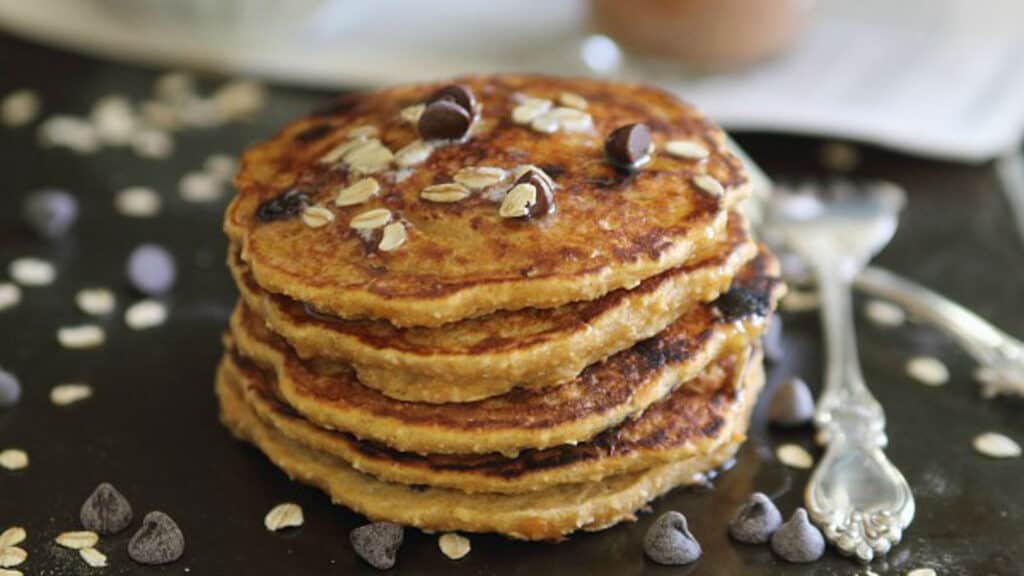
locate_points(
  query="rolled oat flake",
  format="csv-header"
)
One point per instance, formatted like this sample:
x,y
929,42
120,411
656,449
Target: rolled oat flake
x,y
669,541
378,543
159,541
106,511
996,445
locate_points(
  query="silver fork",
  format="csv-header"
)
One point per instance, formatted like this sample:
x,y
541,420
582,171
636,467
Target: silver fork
x,y
861,501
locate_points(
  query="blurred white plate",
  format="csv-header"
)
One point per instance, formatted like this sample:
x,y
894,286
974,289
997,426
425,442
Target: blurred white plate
x,y
935,77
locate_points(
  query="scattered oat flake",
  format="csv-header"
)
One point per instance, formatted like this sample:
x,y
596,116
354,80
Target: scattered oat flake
x,y
572,100
922,572
794,456
800,301
10,295
884,313
454,546
93,557
357,193
317,216
393,237
996,445
152,143
11,572
13,459
927,370
411,114
77,540
19,108
286,515
71,132
686,149
414,153
371,219
137,202
32,271
145,314
239,99
12,536
65,394
479,177
114,120
81,336
446,192
221,166
95,301
363,131
200,187
709,184
12,556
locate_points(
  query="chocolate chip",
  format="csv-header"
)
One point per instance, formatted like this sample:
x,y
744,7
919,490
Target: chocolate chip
x,y
792,404
798,540
313,133
106,511
10,389
756,520
627,145
151,269
377,543
771,341
444,120
740,302
457,93
288,204
668,541
545,203
159,541
50,212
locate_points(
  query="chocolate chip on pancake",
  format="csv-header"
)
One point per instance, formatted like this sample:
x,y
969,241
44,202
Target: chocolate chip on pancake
x,y
457,93
544,200
444,120
287,205
628,146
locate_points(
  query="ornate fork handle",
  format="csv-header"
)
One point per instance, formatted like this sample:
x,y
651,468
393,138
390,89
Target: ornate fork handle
x,y
1001,355
861,501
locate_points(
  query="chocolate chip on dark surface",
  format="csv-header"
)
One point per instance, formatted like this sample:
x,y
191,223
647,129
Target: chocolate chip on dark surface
x,y
668,541
740,302
457,93
151,269
545,203
792,404
627,145
10,389
755,520
798,540
106,511
50,212
314,133
159,541
378,543
288,204
444,120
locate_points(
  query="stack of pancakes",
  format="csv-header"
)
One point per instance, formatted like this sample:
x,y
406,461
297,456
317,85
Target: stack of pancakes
x,y
438,360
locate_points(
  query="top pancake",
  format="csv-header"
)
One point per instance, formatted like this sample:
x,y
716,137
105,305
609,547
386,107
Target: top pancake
x,y
611,229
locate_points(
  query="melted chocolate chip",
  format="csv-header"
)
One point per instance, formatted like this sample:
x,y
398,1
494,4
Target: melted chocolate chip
x,y
458,94
313,133
628,144
741,301
287,205
444,120
545,203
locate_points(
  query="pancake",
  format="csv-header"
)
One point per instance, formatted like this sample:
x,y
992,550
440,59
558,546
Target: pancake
x,y
611,228
524,348
684,425
547,514
329,394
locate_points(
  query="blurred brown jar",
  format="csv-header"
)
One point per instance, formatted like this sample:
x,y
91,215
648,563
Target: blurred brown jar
x,y
705,35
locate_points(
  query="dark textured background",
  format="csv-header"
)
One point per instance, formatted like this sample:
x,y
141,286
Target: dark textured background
x,y
152,429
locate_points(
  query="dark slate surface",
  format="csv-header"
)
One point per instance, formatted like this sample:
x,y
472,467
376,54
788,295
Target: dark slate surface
x,y
152,428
